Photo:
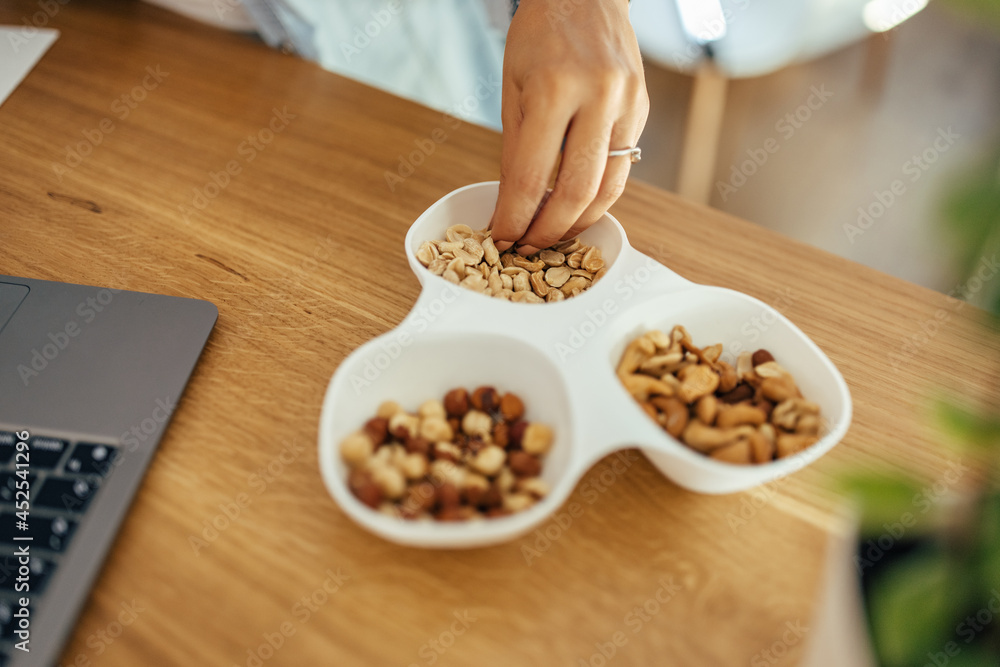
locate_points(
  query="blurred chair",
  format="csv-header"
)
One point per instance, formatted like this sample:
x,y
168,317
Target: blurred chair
x,y
717,40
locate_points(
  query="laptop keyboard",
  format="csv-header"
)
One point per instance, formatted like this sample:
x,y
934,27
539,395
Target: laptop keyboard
x,y
62,479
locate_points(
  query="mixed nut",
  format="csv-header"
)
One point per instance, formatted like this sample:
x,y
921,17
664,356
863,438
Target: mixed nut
x,y
753,413
469,456
470,259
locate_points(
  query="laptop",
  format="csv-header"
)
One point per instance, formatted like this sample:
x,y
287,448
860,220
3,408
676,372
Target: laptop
x,y
89,378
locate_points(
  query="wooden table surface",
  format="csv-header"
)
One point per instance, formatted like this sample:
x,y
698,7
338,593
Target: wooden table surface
x,y
285,250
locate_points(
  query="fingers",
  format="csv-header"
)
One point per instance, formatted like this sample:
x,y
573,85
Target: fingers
x,y
528,157
612,183
579,181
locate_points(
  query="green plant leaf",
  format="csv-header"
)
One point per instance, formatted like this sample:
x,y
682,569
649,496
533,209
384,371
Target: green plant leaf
x,y
970,656
988,539
914,607
882,497
972,429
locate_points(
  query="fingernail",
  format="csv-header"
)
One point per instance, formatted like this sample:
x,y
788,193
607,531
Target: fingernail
x,y
502,245
526,250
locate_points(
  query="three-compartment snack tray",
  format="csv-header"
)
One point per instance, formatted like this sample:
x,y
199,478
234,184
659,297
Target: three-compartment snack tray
x,y
561,359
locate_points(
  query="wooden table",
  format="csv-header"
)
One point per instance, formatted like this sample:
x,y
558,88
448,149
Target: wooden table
x,y
284,248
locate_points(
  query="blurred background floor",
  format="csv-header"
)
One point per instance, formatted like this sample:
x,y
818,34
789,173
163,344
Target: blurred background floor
x,y
941,84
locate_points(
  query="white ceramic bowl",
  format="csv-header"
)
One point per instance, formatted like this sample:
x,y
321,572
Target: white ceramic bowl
x,y
561,358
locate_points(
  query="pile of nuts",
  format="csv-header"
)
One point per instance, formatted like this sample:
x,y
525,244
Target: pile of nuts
x,y
470,259
753,413
466,457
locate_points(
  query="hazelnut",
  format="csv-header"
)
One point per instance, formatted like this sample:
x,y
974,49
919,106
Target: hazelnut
x,y
486,498
364,489
537,438
742,392
448,496
489,460
450,513
534,486
476,423
456,403
515,434
517,502
377,428
414,466
390,481
475,489
420,497
403,425
356,448
505,480
446,451
418,445
511,407
388,408
435,428
501,434
473,445
524,464
761,357
432,408
485,398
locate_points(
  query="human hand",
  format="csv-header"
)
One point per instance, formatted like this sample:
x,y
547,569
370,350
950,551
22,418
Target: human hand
x,y
571,71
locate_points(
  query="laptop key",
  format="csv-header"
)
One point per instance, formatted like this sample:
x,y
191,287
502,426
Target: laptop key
x,y
46,452
8,445
45,533
92,459
11,578
72,495
8,622
9,486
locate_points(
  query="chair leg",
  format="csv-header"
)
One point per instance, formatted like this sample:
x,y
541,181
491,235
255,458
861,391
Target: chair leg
x,y
701,134
876,66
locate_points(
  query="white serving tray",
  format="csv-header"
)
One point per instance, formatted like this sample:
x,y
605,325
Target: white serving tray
x,y
560,358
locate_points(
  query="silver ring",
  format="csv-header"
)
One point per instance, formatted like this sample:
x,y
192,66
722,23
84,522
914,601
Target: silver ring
x,y
634,154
